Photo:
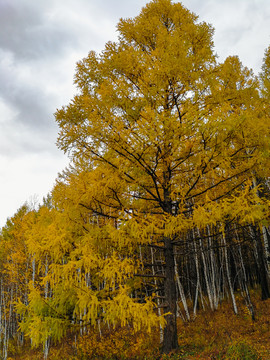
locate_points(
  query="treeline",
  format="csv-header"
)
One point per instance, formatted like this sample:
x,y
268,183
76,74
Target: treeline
x,y
164,209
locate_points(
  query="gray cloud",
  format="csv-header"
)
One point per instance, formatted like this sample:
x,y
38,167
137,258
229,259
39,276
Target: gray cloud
x,y
31,31
30,111
241,27
31,44
39,45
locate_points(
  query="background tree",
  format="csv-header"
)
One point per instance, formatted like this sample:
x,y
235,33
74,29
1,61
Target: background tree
x,y
16,264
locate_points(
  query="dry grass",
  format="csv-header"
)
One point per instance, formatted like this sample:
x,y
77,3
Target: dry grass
x,y
211,334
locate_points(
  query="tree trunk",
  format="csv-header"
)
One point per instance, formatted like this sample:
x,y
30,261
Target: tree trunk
x,y
244,283
229,276
207,274
198,284
170,342
266,246
181,290
262,266
158,300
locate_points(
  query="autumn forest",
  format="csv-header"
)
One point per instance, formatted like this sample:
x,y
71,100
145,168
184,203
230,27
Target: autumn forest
x,y
157,234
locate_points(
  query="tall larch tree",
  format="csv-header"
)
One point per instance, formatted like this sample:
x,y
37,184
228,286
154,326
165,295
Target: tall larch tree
x,y
170,137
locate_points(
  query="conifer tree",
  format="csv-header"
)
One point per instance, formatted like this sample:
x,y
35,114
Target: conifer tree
x,y
169,135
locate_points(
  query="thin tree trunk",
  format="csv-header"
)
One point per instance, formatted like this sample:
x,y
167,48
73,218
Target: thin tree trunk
x,y
181,290
229,276
158,300
198,277
245,287
262,266
266,246
206,274
170,331
214,271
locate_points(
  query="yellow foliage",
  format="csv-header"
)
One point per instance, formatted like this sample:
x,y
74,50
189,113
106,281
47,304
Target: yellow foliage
x,y
125,310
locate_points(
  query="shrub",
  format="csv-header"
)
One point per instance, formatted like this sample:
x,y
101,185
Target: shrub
x,y
242,350
119,344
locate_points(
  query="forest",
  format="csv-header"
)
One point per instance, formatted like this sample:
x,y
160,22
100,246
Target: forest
x,y
155,242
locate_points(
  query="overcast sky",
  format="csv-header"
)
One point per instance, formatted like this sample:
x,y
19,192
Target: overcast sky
x,y
40,43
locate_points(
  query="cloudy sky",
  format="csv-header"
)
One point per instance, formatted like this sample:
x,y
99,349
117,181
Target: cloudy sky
x,y
40,43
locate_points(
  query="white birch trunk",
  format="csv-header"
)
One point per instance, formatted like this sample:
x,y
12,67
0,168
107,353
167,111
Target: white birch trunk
x,y
229,276
181,290
206,274
161,335
266,246
214,272
198,278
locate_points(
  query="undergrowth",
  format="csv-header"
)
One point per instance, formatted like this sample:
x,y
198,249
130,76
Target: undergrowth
x,y
218,335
